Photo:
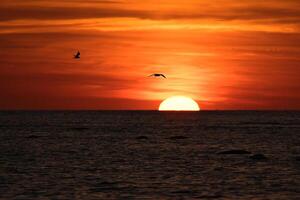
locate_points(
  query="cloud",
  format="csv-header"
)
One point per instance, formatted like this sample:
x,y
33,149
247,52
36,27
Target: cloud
x,y
226,11
227,54
74,15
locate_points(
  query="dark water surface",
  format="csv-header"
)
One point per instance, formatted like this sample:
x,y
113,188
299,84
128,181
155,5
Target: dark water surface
x,y
149,155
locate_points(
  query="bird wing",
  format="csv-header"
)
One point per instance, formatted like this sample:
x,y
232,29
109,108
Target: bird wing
x,y
163,75
151,75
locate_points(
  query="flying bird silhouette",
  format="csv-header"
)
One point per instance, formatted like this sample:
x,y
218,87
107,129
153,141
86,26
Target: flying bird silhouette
x,y
77,55
158,75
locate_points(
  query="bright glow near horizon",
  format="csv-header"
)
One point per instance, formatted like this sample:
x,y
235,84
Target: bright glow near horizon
x,y
179,103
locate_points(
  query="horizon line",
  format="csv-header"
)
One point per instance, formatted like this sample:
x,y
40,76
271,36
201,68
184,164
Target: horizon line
x,y
139,110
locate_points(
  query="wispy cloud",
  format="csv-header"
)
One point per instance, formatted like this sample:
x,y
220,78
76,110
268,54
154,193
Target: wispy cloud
x,y
224,53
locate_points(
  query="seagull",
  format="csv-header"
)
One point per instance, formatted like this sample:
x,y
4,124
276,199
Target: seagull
x,y
158,75
77,55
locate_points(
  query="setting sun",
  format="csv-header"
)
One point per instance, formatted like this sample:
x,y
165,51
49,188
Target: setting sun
x,y
179,103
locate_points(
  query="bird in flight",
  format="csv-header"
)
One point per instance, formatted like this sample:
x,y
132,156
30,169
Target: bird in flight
x,y
158,75
77,55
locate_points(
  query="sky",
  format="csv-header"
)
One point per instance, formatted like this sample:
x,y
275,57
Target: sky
x,y
225,54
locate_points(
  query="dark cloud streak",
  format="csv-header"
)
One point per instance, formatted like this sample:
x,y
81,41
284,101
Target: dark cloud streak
x,y
276,15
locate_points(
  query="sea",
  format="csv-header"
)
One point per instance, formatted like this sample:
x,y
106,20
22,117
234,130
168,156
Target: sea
x,y
149,155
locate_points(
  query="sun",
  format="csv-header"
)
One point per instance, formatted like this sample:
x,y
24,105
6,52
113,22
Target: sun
x,y
179,103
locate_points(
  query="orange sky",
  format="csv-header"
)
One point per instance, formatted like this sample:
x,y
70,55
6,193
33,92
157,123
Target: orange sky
x,y
226,54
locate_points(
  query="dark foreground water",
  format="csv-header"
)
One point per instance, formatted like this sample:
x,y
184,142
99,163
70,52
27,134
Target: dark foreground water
x,y
149,155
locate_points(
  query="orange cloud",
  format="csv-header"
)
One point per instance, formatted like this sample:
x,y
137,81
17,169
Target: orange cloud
x,y
225,54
